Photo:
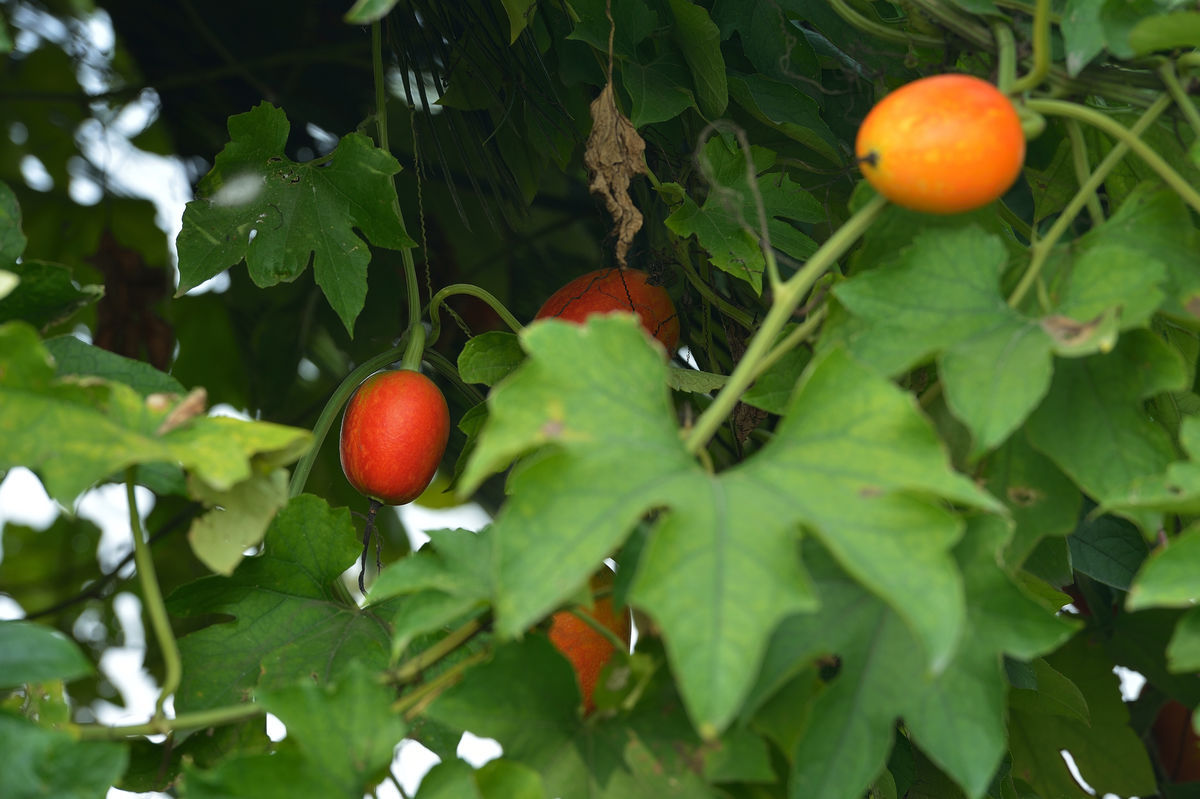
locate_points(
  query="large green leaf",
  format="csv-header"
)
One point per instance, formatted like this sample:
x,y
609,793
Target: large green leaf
x,y
700,41
941,297
1092,425
33,653
853,462
277,215
37,762
345,728
75,431
287,617
1170,577
526,697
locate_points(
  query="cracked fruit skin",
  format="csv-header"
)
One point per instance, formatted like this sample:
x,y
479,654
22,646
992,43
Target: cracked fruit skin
x,y
393,435
588,650
615,289
942,145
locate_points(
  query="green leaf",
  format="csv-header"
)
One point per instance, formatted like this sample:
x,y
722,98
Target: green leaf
x,y
700,41
345,728
1169,576
1183,653
860,474
1165,32
45,295
520,12
1082,33
237,519
1043,501
659,90
788,110
637,22
959,718
497,779
364,12
489,357
1091,423
37,762
278,775
444,581
75,357
695,381
526,697
1107,549
74,431
34,653
12,240
728,223
278,215
287,617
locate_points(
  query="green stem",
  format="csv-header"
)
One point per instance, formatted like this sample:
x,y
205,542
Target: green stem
x,y
881,31
791,340
152,596
1079,157
1041,249
1015,222
332,408
789,295
410,669
435,305
186,721
442,365
412,703
706,291
380,86
1006,53
1124,136
1171,80
1041,50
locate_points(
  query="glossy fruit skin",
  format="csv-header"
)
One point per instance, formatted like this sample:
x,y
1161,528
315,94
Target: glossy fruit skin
x,y
615,289
942,145
1177,743
393,435
588,650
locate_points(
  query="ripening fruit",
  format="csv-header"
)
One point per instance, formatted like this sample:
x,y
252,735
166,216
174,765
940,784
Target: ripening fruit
x,y
615,289
1177,743
943,144
588,650
393,435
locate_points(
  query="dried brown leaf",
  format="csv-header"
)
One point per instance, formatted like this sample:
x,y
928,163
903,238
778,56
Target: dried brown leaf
x,y
613,156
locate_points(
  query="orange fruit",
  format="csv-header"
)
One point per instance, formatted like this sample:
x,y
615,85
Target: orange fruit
x,y
942,145
588,650
616,289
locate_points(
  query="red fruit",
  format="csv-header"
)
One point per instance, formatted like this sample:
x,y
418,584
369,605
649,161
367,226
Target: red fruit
x,y
614,289
588,650
943,145
393,435
1178,746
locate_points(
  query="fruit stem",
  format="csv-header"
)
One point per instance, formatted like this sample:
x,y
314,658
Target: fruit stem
x,y
1041,249
152,596
706,291
1041,50
789,295
369,528
435,304
332,408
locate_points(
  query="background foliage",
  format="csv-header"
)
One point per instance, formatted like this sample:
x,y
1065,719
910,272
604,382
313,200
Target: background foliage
x,y
916,487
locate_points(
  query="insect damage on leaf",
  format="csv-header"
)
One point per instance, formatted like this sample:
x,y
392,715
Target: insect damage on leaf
x,y
613,157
